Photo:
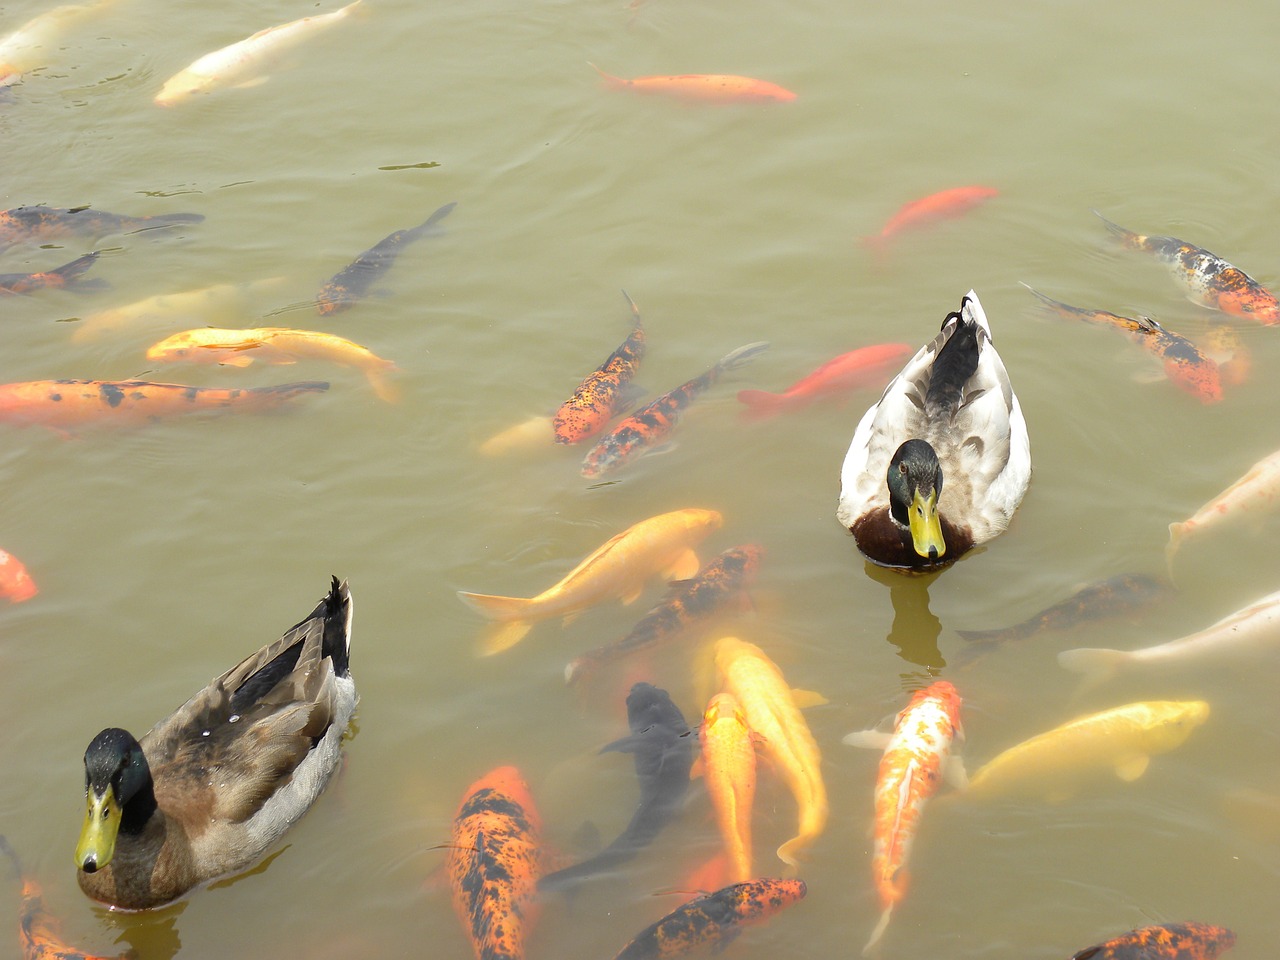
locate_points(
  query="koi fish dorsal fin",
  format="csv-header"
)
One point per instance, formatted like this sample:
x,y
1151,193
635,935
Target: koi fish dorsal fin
x,y
1131,769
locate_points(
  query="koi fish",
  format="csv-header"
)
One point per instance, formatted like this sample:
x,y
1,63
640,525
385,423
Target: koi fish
x,y
662,544
1112,597
772,712
601,393
43,224
65,404
1166,941
28,47
864,367
276,345
915,757
1257,490
710,87
1253,626
942,205
1223,345
352,282
729,772
723,579
1054,765
662,747
241,63
494,863
523,436
16,584
640,432
1208,279
66,276
1184,364
714,920
206,304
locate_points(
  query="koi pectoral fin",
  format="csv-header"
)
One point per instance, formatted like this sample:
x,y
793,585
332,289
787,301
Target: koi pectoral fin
x,y
954,773
238,360
684,567
868,739
1133,768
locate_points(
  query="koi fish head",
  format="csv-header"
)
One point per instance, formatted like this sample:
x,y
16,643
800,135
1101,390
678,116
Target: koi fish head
x,y
723,706
1172,721
505,782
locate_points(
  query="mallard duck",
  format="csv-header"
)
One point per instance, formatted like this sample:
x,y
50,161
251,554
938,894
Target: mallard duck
x,y
210,788
942,461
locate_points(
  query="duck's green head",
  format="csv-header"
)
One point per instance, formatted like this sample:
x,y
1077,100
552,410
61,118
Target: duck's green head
x,y
915,483
115,773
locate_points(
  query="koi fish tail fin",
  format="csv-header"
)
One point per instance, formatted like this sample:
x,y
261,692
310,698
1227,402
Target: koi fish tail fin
x,y
496,608
737,358
1177,531
1047,301
878,932
436,217
70,273
609,79
1127,236
1095,663
761,404
385,390
286,391
877,244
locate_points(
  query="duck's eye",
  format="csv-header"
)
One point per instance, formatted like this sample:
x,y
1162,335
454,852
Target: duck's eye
x,y
902,469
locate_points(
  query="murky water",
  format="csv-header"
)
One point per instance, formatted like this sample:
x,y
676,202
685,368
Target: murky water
x,y
166,553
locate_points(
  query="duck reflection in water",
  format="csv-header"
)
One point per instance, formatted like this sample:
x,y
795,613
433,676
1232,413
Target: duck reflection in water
x,y
915,629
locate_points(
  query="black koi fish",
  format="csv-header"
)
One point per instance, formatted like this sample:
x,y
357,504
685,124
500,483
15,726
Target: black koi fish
x,y
39,224
66,277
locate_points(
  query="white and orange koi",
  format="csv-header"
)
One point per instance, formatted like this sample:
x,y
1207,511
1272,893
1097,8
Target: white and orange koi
x,y
275,345
31,45
241,64
772,711
729,771
915,757
1257,490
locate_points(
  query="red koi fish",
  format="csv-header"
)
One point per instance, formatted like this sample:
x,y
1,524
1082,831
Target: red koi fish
x,y
494,864
710,87
711,921
936,206
1167,941
859,368
352,282
66,276
689,602
65,404
1207,279
1184,364
42,224
16,584
641,432
600,395
914,758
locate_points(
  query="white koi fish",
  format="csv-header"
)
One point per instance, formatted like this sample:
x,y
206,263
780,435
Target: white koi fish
x,y
240,64
1258,489
167,310
1251,626
29,46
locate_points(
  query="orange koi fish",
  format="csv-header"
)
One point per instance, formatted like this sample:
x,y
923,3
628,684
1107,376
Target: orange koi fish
x,y
494,864
914,759
663,544
16,584
600,395
1184,364
709,87
1255,492
713,920
66,276
352,282
689,602
1223,345
1208,279
729,771
773,713
277,345
65,404
42,224
859,368
640,432
942,205
1166,941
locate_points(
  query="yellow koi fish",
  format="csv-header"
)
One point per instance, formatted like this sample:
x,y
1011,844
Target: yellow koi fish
x,y
772,712
241,64
276,345
663,544
1054,765
165,311
1257,490
729,771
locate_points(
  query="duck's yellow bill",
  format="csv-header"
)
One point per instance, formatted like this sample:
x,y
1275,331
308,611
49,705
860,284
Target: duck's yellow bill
x,y
98,835
926,528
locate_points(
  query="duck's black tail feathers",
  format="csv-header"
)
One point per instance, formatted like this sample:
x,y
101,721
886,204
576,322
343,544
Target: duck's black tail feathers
x,y
956,362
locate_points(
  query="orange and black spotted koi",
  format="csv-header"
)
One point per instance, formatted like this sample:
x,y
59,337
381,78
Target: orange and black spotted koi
x,y
641,431
601,393
352,282
40,224
721,580
495,861
713,920
1166,941
66,276
1208,279
1184,364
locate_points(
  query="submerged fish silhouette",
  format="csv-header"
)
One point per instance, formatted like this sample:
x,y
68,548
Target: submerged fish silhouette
x,y
662,746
